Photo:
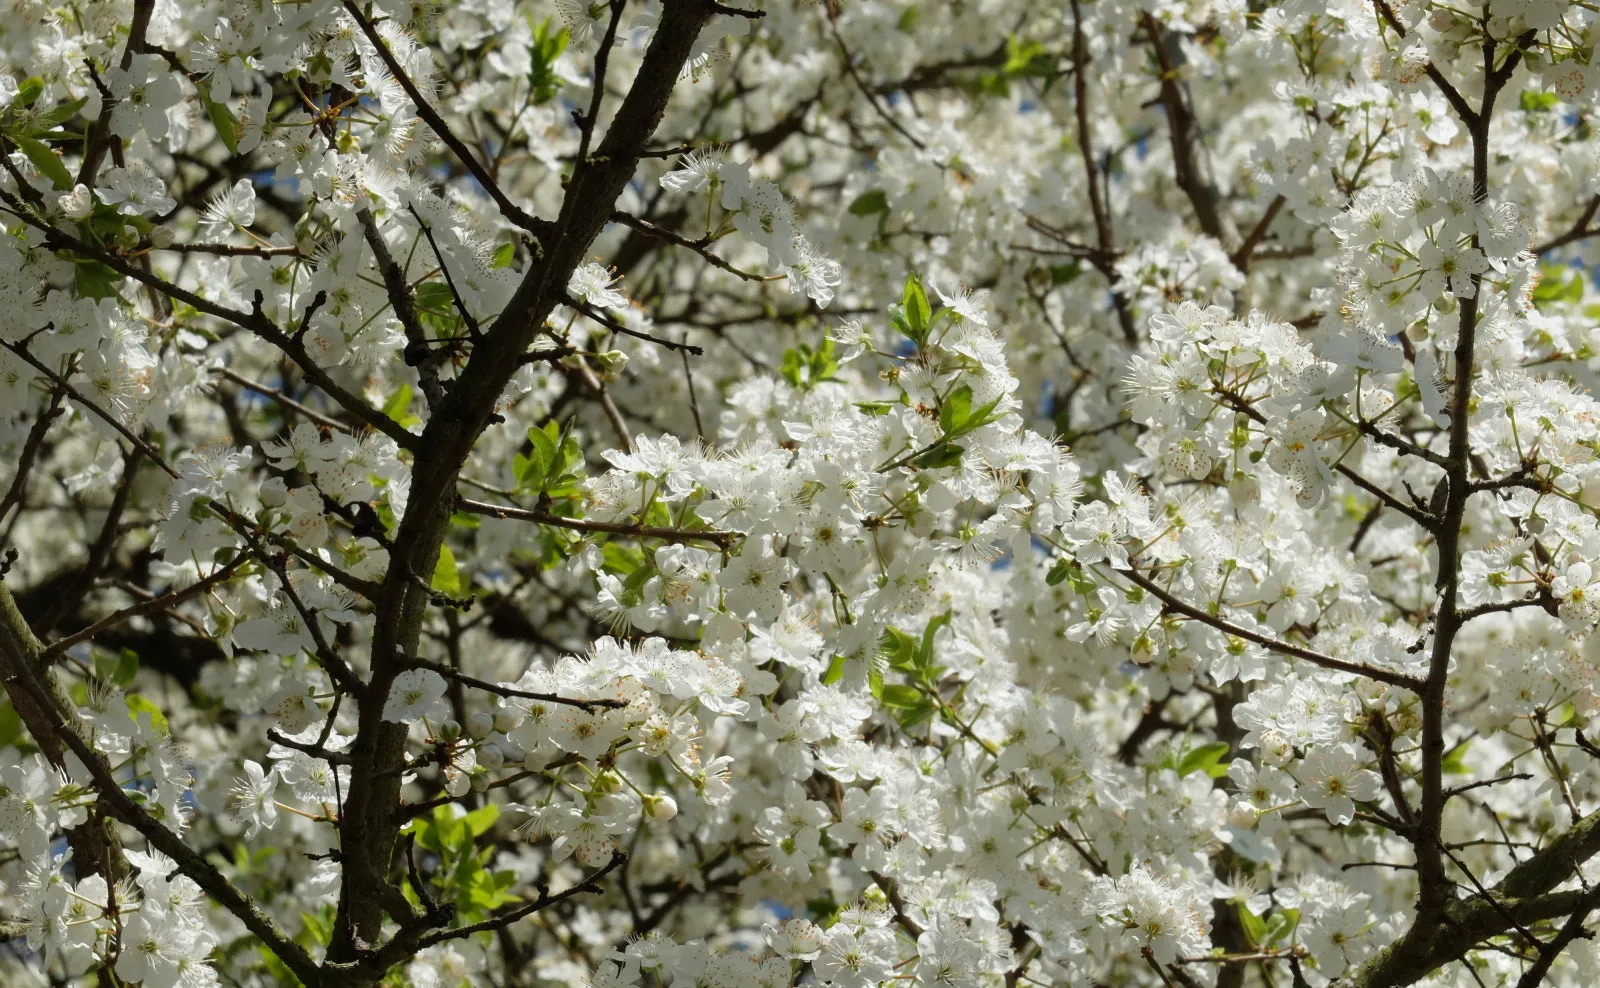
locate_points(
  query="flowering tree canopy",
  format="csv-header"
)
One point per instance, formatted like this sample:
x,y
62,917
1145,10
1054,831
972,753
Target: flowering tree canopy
x,y
755,493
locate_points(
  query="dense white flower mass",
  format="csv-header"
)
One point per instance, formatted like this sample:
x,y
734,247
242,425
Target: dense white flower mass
x,y
858,493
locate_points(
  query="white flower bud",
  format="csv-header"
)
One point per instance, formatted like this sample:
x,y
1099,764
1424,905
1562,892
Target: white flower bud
x,y
507,718
491,757
1243,815
660,806
161,236
479,725
274,493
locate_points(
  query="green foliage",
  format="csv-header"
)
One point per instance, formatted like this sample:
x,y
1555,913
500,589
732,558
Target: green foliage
x,y
398,407
118,668
913,316
870,203
139,706
552,466
1534,101
462,874
957,418
44,159
1069,570
1207,758
95,280
805,368
548,45
915,703
1558,283
220,116
446,575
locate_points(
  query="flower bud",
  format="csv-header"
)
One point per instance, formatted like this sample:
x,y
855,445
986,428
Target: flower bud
x,y
274,493
491,757
479,725
507,718
660,806
161,237
450,730
480,781
1243,816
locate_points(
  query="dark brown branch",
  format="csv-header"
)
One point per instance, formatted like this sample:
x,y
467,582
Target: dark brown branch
x,y
1285,648
165,601
597,527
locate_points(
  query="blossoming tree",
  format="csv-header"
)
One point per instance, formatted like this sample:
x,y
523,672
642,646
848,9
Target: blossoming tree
x,y
684,493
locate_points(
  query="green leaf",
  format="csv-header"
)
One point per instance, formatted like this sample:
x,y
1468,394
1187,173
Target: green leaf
x,y
835,671
633,586
119,669
398,404
915,310
435,297
874,408
1065,274
545,456
1455,760
898,649
1028,58
446,577
1207,758
28,92
955,409
58,114
1533,101
221,118
1557,284
1254,928
1281,924
974,420
503,256
942,455
481,819
909,706
544,81
46,160
898,695
824,911
804,367
95,280
138,705
926,669
870,203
